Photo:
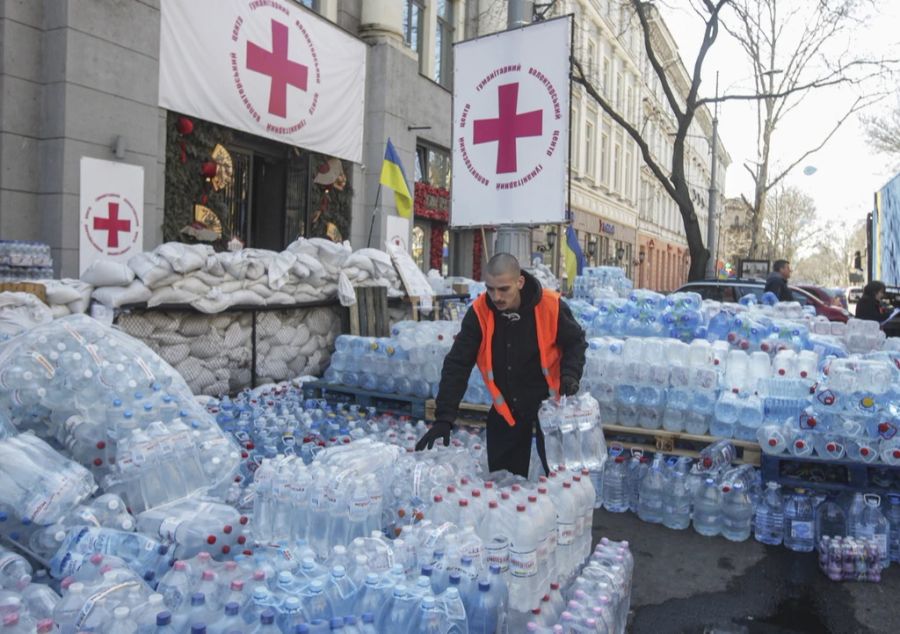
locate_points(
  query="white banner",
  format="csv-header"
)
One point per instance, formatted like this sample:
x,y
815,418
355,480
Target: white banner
x,y
266,67
511,127
111,219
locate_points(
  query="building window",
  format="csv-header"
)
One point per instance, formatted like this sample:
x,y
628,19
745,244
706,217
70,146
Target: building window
x,y
443,44
433,165
310,4
629,176
590,156
604,153
591,61
617,169
607,77
413,25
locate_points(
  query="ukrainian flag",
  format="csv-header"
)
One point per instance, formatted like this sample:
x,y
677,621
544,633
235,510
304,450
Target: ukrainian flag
x,y
573,255
393,176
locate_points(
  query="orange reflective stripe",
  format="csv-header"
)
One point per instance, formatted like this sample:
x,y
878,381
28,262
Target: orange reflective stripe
x,y
546,318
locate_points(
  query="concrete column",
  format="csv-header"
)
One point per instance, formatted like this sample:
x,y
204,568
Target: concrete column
x,y
382,20
328,9
429,35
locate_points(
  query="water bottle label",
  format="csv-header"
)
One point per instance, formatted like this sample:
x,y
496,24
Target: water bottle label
x,y
523,564
417,479
566,533
95,353
88,606
42,360
37,509
146,369
881,542
801,530
497,551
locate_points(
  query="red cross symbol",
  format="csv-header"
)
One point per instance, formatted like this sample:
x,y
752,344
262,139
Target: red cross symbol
x,y
276,65
112,225
507,127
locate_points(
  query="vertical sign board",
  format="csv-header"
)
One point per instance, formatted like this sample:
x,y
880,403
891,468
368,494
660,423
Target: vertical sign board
x,y
511,126
111,218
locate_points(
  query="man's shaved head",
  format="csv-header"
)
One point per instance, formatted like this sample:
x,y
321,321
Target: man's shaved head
x,y
504,264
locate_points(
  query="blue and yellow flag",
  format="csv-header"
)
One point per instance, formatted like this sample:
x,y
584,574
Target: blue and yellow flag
x,y
393,176
573,255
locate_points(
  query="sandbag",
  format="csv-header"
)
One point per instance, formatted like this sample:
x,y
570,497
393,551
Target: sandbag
x,y
236,335
115,296
315,267
280,299
170,295
213,267
194,326
175,354
184,258
150,268
80,305
59,292
192,285
360,261
163,321
204,348
104,272
59,310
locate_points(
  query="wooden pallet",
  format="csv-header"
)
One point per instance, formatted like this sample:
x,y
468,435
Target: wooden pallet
x,y
830,475
38,290
675,443
469,413
392,403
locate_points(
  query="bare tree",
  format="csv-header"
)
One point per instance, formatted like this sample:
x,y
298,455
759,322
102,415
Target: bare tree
x,y
790,223
791,50
795,82
883,132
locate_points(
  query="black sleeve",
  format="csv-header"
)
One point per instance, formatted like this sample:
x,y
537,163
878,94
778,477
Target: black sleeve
x,y
571,341
457,367
868,308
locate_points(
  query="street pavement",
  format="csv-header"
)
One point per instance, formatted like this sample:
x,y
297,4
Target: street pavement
x,y
686,583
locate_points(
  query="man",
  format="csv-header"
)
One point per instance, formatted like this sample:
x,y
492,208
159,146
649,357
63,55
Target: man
x,y
777,282
527,346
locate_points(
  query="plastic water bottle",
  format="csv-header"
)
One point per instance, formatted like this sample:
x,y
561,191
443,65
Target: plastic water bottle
x,y
15,571
873,525
769,521
717,455
677,502
615,496
799,523
707,518
650,500
737,513
831,520
523,562
483,617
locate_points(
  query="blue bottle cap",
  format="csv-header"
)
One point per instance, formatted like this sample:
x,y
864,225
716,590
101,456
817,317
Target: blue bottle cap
x,y
337,623
368,617
484,586
163,618
232,608
455,578
198,598
302,628
267,617
495,569
198,628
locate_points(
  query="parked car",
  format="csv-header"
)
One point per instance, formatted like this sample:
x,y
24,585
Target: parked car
x,y
833,296
734,290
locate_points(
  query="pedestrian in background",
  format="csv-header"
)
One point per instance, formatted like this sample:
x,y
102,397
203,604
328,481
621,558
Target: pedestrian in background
x,y
777,282
869,305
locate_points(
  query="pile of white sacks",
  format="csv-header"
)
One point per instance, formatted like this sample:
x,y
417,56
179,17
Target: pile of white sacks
x,y
213,353
194,275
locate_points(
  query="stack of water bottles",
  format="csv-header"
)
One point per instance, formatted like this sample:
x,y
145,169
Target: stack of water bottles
x,y
573,437
409,362
711,495
21,260
596,281
116,408
644,313
25,605
852,415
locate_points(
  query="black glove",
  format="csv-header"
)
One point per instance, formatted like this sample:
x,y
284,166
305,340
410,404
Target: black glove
x,y
568,386
439,429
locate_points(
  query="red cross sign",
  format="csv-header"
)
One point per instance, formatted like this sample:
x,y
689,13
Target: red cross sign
x,y
508,127
112,225
278,67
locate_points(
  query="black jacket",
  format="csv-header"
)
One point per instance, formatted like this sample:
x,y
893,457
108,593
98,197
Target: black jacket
x,y
516,358
869,308
778,285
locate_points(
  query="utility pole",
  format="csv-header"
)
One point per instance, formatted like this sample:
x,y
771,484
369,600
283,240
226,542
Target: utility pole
x,y
512,239
711,227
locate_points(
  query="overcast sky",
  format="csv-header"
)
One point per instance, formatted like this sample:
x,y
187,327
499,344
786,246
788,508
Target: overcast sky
x,y
848,171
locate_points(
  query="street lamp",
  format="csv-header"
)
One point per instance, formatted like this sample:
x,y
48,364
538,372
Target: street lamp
x,y
592,247
551,238
620,253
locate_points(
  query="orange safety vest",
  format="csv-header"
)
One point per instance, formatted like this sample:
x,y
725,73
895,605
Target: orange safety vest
x,y
546,321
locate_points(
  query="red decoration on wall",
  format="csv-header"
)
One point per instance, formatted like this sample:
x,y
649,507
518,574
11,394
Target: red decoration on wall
x,y
208,169
437,245
477,247
431,202
185,127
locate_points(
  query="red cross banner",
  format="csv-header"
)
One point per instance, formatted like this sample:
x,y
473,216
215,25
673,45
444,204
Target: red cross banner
x,y
267,67
511,126
111,218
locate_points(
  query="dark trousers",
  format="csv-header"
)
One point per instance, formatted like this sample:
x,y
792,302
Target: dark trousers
x,y
509,447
